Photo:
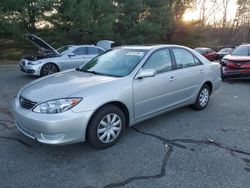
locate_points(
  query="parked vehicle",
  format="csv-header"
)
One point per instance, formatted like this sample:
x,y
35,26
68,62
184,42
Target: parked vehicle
x,y
223,52
207,53
49,60
113,91
237,64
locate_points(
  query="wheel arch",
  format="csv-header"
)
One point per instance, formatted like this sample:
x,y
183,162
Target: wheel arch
x,y
119,104
210,85
50,62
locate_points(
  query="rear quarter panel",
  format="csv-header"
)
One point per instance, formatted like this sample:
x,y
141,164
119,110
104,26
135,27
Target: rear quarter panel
x,y
214,75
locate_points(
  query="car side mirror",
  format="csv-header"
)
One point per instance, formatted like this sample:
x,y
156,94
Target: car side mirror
x,y
146,73
71,54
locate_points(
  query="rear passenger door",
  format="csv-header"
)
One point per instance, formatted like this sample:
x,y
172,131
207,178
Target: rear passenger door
x,y
189,74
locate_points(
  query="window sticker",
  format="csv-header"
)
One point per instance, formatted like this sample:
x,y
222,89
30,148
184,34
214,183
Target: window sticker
x,y
136,53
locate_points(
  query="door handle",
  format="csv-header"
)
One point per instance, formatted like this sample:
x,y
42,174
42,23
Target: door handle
x,y
172,78
202,71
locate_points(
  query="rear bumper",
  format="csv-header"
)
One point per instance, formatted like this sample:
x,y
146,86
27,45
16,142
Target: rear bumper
x,y
57,129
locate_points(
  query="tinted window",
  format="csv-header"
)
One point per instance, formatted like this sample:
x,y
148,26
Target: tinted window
x,y
183,58
93,51
160,61
80,51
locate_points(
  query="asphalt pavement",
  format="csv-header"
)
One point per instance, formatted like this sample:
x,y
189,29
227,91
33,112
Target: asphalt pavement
x,y
183,148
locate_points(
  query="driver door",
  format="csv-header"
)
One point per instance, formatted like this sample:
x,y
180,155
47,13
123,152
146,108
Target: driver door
x,y
154,94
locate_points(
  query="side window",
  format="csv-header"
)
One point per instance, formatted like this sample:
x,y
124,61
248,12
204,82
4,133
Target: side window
x,y
80,51
100,51
160,61
93,51
183,58
197,61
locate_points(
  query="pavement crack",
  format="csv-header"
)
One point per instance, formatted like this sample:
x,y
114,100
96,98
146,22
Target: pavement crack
x,y
7,112
6,121
168,141
137,178
174,142
171,144
6,124
17,140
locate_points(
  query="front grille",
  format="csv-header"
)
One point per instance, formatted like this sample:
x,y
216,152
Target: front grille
x,y
25,103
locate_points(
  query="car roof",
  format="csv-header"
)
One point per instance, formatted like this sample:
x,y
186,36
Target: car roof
x,y
203,48
83,45
149,47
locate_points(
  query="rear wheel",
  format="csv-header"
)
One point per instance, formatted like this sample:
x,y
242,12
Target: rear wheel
x,y
202,98
106,127
49,68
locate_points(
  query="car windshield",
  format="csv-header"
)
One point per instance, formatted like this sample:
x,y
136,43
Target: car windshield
x,y
116,63
63,49
242,51
225,50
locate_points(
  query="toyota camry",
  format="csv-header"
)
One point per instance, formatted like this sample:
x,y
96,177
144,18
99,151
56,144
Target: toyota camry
x,y
118,89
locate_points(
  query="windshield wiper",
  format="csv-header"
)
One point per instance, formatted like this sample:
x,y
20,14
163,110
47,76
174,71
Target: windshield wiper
x,y
93,72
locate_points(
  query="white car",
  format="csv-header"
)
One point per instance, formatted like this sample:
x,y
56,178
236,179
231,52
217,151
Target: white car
x,y
49,60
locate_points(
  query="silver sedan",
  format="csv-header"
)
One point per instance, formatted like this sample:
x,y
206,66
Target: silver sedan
x,y
49,61
113,91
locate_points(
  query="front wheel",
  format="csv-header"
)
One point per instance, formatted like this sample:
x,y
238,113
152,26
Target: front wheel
x,y
49,68
202,98
106,127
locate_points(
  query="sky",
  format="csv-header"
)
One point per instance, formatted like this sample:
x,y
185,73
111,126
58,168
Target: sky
x,y
193,14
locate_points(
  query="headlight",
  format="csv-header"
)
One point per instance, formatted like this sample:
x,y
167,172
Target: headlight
x,y
56,106
34,62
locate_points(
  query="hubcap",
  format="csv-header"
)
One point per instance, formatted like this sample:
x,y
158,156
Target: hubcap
x,y
109,128
50,69
204,97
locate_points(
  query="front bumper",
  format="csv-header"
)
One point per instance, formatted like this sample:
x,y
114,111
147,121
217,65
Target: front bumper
x,y
30,69
232,73
57,129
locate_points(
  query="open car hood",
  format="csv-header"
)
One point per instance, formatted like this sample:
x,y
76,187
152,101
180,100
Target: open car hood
x,y
42,45
105,44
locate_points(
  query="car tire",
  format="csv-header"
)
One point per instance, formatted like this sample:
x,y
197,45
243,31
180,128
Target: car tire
x,y
203,97
106,127
49,68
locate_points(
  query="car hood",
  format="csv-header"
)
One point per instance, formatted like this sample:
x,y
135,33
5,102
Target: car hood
x,y
237,58
42,45
62,85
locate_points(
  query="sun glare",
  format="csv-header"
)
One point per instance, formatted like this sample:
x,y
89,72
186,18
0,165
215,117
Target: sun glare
x,y
193,13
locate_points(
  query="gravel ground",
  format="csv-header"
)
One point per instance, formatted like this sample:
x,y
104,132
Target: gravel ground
x,y
184,148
